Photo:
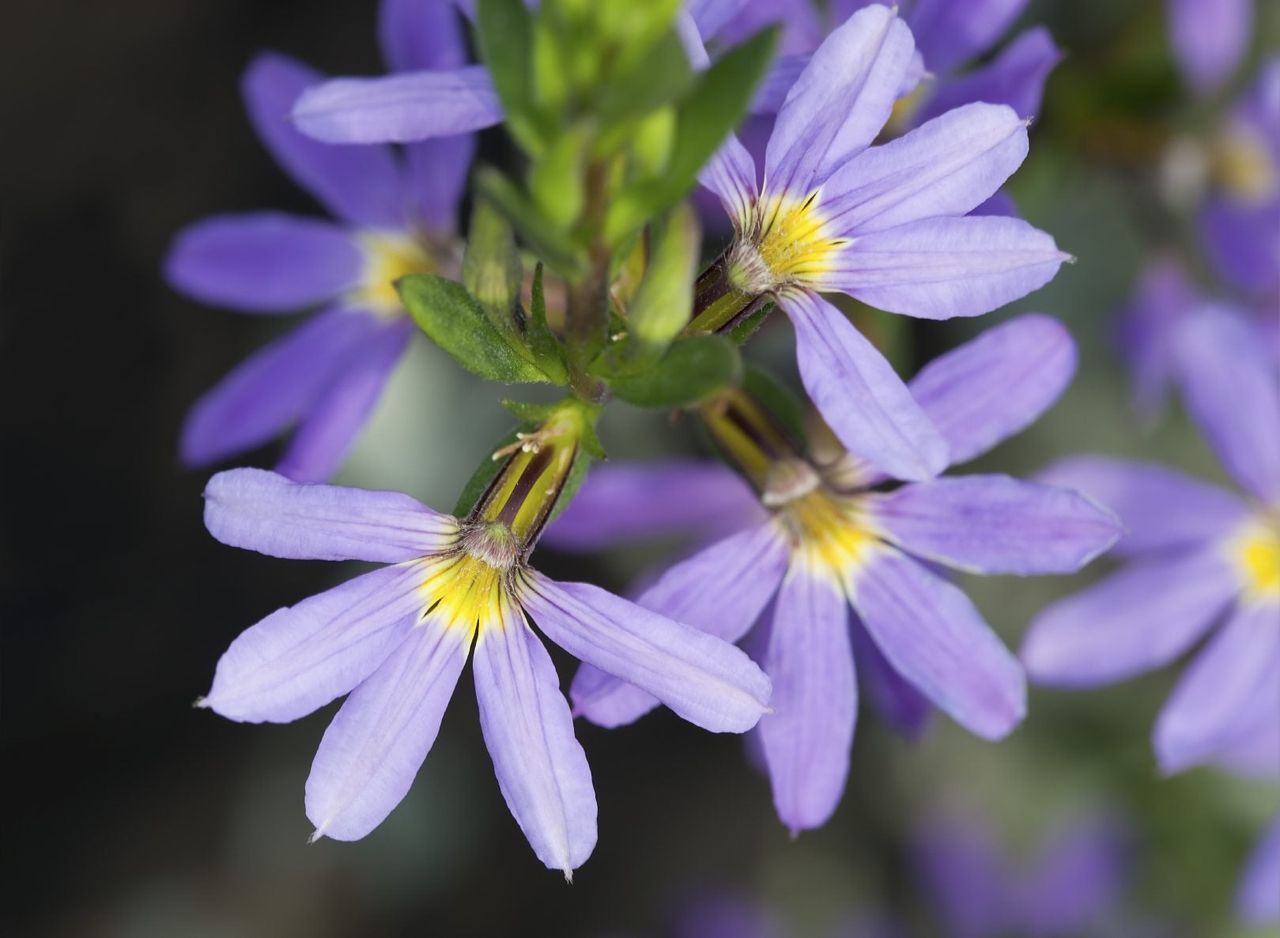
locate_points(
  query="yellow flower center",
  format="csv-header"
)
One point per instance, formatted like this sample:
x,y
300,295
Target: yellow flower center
x,y
387,259
786,241
1242,166
828,533
1256,552
465,591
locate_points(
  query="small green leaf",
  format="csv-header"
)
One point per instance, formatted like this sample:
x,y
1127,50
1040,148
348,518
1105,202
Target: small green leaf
x,y
692,369
747,326
556,180
660,77
552,245
665,299
546,347
778,399
505,30
491,268
451,317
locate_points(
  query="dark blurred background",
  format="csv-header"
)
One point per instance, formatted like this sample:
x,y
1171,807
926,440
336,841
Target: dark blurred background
x,y
129,813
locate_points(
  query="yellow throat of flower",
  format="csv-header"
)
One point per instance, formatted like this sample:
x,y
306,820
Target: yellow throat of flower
x,y
786,242
387,259
1256,552
1242,165
828,534
470,587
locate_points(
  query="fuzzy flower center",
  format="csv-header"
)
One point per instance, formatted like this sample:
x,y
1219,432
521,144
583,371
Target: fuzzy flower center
x,y
1257,557
469,587
785,242
828,532
387,259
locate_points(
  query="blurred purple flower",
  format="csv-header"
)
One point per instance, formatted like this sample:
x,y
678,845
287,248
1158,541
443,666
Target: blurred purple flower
x,y
1199,552
1209,39
395,215
394,641
829,543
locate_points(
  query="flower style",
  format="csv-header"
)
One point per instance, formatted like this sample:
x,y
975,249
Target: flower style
x,y
883,224
1198,553
395,215
395,642
828,543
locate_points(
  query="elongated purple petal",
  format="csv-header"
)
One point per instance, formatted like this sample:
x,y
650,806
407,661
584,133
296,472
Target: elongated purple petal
x,y
839,102
995,524
1000,203
1134,621
332,423
1160,508
420,34
939,268
541,769
1258,901
265,262
713,16
933,636
864,402
621,502
438,171
1209,38
1232,389
703,679
950,34
263,511
808,737
1015,77
1242,242
782,74
962,872
399,108
274,387
895,700
1146,335
731,175
301,657
1212,700
1078,880
1254,751
946,167
721,590
360,185
381,735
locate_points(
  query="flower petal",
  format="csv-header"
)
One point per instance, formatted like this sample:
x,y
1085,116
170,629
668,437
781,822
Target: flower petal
x,y
948,166
933,636
864,402
1133,621
731,175
1078,881
839,102
622,502
1159,507
705,680
995,524
438,171
360,185
382,733
950,34
808,737
301,657
265,262
274,387
1209,39
1232,389
1258,901
1242,242
720,590
332,423
895,701
263,511
420,34
1015,77
399,108
960,869
938,268
1206,709
541,769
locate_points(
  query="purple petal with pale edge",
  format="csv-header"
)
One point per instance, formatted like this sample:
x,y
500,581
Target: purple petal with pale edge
x,y
995,524
839,102
946,167
939,268
864,402
720,590
263,511
1211,703
1136,620
265,262
783,73
950,33
808,737
1000,203
1209,38
621,502
1150,321
527,726
1077,881
399,108
731,175
1160,508
1254,751
703,679
933,636
1232,389
381,735
420,34
1242,241
274,387
331,425
1258,901
961,871
1016,77
361,185
301,657
894,700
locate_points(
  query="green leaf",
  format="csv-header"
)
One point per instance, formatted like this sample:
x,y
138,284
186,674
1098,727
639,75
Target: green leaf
x,y
704,117
541,235
556,180
451,317
778,399
692,369
505,30
663,303
481,477
661,76
546,347
747,326
491,268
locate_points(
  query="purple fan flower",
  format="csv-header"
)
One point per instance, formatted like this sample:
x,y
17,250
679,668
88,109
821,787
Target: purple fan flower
x,y
394,641
830,543
395,214
1199,553
1209,39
